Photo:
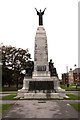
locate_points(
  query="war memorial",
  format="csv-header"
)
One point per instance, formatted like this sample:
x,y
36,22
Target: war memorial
x,y
42,84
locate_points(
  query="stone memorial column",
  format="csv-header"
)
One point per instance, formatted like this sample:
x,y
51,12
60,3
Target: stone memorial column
x,y
41,66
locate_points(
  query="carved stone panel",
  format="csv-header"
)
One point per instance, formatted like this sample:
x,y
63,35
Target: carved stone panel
x,y
41,68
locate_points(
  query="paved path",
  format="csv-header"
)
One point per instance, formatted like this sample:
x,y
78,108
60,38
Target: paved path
x,y
42,109
2,95
8,101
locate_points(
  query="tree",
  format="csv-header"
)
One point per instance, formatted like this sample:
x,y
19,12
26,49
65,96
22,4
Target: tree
x,y
6,76
14,60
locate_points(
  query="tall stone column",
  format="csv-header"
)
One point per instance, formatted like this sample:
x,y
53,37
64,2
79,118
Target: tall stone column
x,y
41,66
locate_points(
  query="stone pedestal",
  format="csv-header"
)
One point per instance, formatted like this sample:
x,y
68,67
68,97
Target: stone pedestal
x,y
41,72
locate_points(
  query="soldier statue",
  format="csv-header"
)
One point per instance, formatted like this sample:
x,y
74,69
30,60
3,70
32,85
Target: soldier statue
x,y
52,69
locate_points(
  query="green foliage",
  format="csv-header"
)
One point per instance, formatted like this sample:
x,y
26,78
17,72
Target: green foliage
x,y
76,106
14,60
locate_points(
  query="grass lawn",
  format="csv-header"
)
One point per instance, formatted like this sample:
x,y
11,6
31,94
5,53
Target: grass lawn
x,y
9,97
70,88
76,106
72,97
5,107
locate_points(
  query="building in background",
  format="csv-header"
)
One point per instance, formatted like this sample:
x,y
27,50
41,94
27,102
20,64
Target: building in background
x,y
72,77
64,78
76,76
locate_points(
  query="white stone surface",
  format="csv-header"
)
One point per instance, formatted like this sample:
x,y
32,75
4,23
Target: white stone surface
x,y
41,95
41,52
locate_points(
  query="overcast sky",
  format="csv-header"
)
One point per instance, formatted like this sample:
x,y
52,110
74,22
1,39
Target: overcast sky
x,y
19,22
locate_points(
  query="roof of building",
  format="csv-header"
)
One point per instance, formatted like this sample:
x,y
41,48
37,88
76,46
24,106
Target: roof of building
x,y
77,70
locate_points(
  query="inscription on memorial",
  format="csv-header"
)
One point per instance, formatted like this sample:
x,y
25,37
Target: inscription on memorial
x,y
41,85
41,68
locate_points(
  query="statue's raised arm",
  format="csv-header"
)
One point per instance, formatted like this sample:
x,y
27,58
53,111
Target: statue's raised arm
x,y
44,9
35,9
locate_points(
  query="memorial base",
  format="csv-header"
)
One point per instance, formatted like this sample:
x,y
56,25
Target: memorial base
x,y
56,92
